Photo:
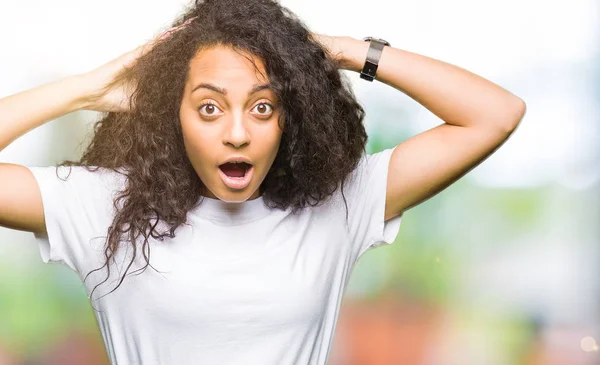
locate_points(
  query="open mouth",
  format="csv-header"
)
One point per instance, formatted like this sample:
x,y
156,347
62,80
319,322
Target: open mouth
x,y
235,169
236,175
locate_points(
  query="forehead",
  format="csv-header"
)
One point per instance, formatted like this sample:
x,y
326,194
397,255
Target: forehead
x,y
224,64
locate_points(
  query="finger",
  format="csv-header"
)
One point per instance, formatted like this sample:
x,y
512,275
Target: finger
x,y
170,31
138,52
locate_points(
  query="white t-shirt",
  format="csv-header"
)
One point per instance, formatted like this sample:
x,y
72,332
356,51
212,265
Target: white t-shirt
x,y
241,284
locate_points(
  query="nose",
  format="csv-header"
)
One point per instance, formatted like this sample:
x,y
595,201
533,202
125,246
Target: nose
x,y
236,133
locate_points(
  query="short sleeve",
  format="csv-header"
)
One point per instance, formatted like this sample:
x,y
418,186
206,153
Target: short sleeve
x,y
76,208
365,193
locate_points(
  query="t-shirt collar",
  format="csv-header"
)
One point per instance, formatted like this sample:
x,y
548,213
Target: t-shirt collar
x,y
226,213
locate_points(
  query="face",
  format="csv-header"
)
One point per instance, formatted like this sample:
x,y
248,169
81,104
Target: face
x,y
228,112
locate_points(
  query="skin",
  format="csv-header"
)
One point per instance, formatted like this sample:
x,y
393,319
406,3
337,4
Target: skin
x,y
236,123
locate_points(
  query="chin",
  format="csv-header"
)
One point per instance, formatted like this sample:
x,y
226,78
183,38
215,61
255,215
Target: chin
x,y
232,196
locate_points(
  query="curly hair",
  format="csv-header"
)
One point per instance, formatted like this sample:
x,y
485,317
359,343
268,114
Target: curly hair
x,y
323,135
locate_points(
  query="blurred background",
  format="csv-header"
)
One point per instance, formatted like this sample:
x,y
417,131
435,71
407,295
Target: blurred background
x,y
500,268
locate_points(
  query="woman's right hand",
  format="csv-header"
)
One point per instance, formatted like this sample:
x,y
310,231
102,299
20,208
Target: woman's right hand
x,y
107,96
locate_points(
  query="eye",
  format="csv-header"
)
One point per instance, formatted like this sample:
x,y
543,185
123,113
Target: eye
x,y
210,108
264,108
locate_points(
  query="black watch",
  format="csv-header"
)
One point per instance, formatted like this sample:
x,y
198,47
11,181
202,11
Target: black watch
x,y
373,55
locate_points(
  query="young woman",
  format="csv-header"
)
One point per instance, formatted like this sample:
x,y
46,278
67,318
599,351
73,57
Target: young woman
x,y
233,147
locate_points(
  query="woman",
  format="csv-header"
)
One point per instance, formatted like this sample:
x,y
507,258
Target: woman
x,y
233,146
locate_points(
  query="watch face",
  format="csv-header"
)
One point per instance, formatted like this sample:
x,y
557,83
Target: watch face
x,y
368,39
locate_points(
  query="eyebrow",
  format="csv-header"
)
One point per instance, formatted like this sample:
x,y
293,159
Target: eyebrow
x,y
255,88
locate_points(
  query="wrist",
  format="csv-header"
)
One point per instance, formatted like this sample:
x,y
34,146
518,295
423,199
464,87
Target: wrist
x,y
83,93
354,54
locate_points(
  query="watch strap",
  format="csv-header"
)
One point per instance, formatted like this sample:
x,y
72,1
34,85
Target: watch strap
x,y
373,55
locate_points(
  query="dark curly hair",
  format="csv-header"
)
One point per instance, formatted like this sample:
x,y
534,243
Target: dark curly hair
x,y
323,135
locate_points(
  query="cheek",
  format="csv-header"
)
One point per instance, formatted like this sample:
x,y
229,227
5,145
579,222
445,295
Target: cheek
x,y
197,146
199,149
270,134
275,140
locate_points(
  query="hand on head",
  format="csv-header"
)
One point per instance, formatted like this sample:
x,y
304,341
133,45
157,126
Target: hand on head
x,y
108,95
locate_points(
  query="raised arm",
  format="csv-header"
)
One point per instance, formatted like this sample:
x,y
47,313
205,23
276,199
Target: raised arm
x,y
479,117
100,89
20,198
